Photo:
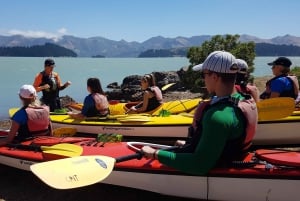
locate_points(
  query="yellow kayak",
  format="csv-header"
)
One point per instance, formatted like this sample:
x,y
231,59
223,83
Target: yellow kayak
x,y
173,107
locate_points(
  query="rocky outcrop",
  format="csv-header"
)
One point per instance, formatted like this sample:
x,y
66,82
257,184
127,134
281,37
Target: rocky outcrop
x,y
130,89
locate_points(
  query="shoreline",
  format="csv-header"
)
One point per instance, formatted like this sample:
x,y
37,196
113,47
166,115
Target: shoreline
x,y
259,82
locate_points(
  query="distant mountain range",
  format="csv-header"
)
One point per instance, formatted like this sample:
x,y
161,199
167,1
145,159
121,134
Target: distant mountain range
x,y
102,47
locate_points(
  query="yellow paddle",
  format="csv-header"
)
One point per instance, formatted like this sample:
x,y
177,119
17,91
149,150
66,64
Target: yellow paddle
x,y
63,149
275,108
167,86
270,109
80,171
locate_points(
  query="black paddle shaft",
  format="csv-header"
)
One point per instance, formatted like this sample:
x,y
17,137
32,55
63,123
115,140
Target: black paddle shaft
x,y
25,147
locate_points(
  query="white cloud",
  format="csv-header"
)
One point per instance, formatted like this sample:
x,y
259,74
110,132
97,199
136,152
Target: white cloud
x,y
38,34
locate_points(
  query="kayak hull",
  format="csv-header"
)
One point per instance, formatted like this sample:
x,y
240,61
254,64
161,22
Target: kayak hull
x,y
283,131
171,127
240,183
209,188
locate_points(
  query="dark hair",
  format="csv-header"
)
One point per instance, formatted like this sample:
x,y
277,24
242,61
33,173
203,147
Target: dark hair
x,y
49,62
150,79
242,80
95,85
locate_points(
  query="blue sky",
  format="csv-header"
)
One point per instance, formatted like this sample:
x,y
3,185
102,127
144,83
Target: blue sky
x,y
139,20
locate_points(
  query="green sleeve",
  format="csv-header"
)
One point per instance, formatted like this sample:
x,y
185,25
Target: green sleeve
x,y
219,124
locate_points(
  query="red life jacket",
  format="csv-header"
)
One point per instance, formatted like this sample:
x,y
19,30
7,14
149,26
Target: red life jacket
x,y
248,109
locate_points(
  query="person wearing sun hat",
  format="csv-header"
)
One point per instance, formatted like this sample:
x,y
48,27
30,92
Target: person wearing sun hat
x,y
30,120
50,84
241,83
224,126
282,84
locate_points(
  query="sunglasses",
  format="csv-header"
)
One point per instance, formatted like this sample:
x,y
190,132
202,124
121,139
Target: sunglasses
x,y
203,74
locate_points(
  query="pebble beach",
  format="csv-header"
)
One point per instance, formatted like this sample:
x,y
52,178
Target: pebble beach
x,y
19,185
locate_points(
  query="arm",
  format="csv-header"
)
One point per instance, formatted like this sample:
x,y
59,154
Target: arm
x,y
87,103
145,102
51,128
218,127
76,115
254,92
61,87
11,134
37,82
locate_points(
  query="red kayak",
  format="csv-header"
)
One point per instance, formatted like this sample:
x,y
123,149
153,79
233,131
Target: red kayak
x,y
274,175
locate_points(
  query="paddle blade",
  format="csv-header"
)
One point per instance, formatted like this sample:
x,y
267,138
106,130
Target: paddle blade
x,y
275,108
74,172
167,86
63,149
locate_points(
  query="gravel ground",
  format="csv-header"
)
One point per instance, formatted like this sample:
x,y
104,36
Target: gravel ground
x,y
19,185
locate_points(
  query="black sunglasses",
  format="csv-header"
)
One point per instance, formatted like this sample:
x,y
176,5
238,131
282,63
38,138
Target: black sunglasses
x,y
202,74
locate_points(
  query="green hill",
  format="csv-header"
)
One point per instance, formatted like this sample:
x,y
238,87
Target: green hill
x,y
47,50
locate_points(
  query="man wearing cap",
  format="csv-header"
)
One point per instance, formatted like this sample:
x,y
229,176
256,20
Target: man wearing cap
x,y
49,83
31,120
281,85
241,84
224,126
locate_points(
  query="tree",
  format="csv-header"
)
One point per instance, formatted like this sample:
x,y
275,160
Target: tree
x,y
230,43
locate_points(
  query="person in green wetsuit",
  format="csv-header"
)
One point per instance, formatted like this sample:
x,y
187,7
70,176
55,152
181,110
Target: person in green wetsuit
x,y
223,131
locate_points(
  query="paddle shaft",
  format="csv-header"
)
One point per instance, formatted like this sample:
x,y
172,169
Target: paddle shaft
x,y
139,155
25,147
40,148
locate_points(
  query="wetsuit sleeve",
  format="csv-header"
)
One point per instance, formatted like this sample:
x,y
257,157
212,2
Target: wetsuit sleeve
x,y
218,126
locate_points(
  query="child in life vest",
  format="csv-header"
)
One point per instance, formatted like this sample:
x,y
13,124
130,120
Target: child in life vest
x,y
30,120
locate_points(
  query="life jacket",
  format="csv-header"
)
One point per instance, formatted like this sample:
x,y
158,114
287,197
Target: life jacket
x,y
52,81
235,148
293,92
38,123
243,89
156,100
101,104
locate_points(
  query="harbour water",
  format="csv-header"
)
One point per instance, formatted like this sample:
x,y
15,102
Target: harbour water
x,y
16,71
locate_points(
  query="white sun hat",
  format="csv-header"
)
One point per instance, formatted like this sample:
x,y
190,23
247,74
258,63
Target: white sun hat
x,y
220,62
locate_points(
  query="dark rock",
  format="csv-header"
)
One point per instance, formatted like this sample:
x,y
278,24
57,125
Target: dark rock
x,y
130,88
113,85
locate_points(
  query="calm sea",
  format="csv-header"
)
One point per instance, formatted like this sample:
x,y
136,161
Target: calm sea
x,y
16,71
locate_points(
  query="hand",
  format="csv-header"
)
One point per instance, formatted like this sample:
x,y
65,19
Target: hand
x,y
148,152
179,143
70,114
46,86
68,83
133,108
